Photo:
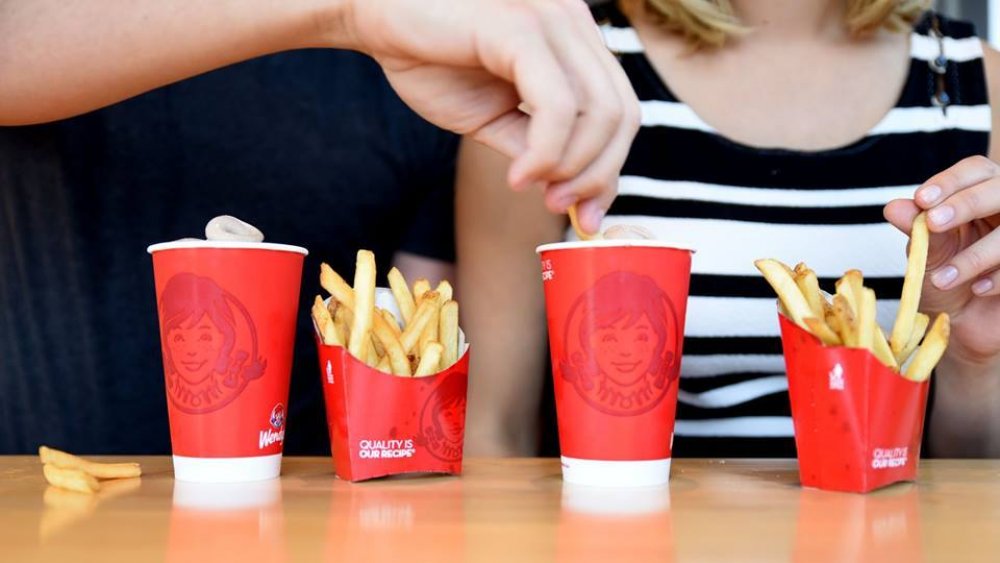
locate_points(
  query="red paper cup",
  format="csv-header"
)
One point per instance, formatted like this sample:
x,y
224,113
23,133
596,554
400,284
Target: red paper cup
x,y
615,313
858,424
227,331
382,424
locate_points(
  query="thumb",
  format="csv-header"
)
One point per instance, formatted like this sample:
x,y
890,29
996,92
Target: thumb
x,y
900,213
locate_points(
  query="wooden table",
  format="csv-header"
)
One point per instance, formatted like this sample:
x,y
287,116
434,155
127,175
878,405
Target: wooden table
x,y
503,510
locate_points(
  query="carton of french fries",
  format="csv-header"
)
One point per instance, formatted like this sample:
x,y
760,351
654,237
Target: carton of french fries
x,y
858,397
394,365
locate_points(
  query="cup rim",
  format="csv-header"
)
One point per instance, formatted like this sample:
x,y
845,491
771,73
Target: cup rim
x,y
613,243
227,244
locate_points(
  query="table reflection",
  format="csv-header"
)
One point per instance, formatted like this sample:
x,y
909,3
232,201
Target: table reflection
x,y
606,524
880,526
393,519
227,522
65,508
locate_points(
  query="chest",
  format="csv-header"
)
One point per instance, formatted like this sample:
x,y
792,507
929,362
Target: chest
x,y
804,95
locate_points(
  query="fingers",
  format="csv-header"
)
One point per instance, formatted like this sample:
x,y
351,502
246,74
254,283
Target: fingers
x,y
988,284
966,191
900,214
976,262
576,117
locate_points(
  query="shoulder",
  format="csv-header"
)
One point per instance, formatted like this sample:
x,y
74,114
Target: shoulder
x,y
991,63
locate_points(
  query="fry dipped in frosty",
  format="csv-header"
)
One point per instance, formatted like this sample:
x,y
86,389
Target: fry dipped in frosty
x,y
424,341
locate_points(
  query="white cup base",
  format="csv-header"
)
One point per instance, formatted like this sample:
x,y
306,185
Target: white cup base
x,y
226,469
618,474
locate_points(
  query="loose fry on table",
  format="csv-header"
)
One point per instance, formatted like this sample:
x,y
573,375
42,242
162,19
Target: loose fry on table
x,y
70,479
808,284
777,274
449,333
423,315
919,329
401,291
420,288
822,331
64,460
930,351
364,304
916,267
430,362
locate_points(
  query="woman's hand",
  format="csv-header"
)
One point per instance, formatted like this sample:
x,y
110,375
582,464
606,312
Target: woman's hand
x,y
963,262
467,66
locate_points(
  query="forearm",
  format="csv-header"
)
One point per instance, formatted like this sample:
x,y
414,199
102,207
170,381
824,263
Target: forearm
x,y
59,58
965,421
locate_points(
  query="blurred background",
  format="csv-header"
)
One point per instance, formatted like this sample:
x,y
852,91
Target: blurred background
x,y
984,13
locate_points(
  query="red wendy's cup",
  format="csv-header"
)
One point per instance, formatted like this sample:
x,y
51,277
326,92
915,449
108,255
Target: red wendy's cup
x,y
858,424
615,312
227,331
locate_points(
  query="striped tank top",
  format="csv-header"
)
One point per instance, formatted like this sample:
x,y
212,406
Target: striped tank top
x,y
734,203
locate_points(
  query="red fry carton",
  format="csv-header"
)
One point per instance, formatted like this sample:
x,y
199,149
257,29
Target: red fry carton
x,y
382,424
858,424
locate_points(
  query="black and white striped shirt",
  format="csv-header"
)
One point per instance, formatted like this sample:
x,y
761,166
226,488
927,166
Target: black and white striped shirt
x,y
735,203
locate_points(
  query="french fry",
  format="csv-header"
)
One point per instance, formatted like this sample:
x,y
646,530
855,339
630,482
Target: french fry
x,y
777,274
916,267
866,318
420,287
342,320
71,479
430,333
335,285
849,286
919,329
423,315
385,366
444,288
324,322
398,363
448,332
930,351
822,331
401,291
364,304
808,284
845,321
64,460
882,350
430,361
391,321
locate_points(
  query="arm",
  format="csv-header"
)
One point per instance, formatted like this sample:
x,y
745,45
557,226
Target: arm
x,y
499,277
965,421
464,66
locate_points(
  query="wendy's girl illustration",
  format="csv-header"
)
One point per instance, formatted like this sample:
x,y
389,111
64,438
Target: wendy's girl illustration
x,y
442,420
209,344
622,341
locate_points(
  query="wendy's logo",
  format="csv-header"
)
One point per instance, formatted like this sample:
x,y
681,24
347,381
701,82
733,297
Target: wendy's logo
x,y
209,344
278,416
442,420
621,344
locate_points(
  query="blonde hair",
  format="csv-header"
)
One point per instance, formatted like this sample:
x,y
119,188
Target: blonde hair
x,y
710,22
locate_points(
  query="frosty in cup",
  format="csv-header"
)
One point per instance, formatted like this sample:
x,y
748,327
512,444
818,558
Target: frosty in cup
x,y
615,312
227,330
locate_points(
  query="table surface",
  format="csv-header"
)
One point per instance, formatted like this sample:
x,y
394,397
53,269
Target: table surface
x,y
503,510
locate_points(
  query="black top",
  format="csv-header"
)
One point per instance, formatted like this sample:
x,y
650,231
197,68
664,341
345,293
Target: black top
x,y
313,147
